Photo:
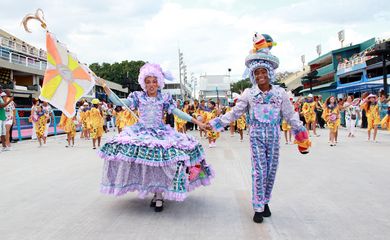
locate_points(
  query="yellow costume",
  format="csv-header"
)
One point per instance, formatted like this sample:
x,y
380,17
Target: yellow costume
x,y
120,119
386,122
68,125
179,123
308,112
96,122
130,119
285,126
332,117
208,116
40,126
84,120
373,116
241,122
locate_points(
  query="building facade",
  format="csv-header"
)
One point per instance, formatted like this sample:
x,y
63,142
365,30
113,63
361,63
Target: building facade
x,y
327,66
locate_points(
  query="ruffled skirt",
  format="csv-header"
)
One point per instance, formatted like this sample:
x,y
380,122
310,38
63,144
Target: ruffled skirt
x,y
150,160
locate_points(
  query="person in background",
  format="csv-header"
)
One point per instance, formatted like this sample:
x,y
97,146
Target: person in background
x,y
319,111
351,109
3,103
47,108
10,112
370,106
96,121
331,115
68,124
383,103
40,124
33,117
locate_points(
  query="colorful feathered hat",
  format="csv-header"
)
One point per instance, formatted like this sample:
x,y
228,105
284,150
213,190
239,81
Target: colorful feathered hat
x,y
260,57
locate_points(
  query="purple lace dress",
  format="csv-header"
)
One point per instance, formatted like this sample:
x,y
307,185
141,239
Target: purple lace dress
x,y
151,157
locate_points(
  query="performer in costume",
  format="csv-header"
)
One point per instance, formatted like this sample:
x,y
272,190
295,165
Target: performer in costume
x,y
47,108
331,115
308,111
180,124
232,126
33,117
149,156
212,135
96,121
287,131
385,123
130,118
120,118
69,126
40,124
83,119
267,105
352,113
370,105
241,124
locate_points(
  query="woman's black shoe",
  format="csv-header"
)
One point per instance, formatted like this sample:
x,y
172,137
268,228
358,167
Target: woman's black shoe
x,y
159,208
267,211
258,217
153,203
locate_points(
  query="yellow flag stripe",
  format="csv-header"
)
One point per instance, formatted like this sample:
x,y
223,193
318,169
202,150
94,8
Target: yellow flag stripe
x,y
50,59
72,63
79,91
50,87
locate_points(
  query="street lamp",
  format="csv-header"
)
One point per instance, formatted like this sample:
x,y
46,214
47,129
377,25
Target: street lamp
x,y
341,35
230,82
303,62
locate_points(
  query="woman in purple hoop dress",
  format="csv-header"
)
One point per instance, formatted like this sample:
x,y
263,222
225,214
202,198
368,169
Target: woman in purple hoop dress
x,y
150,156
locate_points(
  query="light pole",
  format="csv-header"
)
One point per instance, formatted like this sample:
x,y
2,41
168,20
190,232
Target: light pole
x,y
193,83
341,35
181,64
318,48
303,59
230,83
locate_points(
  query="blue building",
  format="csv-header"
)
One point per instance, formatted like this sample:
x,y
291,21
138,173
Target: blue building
x,y
329,69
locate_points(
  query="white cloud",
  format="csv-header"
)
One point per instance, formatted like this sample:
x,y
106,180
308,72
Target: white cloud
x,y
214,35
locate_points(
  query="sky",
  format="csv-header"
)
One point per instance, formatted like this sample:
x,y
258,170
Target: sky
x,y
213,35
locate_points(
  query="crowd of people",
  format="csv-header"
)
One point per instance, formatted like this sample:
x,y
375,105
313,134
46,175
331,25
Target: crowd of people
x,y
369,111
97,117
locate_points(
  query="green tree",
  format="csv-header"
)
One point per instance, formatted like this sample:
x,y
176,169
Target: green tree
x,y
239,86
117,72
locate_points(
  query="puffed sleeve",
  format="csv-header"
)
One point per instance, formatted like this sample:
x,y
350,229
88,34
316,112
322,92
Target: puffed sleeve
x,y
131,101
239,109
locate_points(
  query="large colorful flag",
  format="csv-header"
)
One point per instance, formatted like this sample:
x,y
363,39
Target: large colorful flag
x,y
66,79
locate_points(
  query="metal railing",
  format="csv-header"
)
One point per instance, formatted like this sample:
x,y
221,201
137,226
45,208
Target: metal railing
x,y
20,59
23,48
24,127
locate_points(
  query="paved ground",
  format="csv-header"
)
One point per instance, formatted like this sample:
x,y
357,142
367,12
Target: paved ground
x,y
333,193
